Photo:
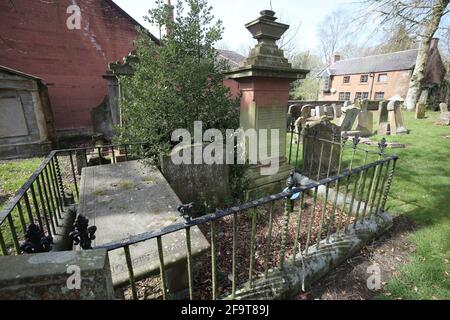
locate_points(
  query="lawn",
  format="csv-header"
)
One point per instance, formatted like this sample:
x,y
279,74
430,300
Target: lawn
x,y
13,174
421,190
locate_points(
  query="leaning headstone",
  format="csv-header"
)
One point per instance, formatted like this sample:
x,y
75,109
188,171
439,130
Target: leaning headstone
x,y
444,116
421,105
349,118
365,120
321,138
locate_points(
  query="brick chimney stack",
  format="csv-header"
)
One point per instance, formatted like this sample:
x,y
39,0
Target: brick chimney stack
x,y
337,57
434,43
171,18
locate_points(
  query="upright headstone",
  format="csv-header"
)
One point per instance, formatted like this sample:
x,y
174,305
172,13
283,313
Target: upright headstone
x,y
320,111
421,105
337,111
383,119
265,78
329,112
365,120
321,139
444,116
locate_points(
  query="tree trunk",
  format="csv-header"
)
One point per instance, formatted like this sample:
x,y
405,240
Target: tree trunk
x,y
418,76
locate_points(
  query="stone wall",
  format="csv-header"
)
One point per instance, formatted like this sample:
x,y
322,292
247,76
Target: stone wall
x,y
71,62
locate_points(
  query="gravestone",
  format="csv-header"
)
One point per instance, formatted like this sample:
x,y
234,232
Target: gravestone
x,y
329,112
265,78
383,119
421,105
365,120
348,118
306,111
337,110
444,116
294,111
313,148
395,116
320,111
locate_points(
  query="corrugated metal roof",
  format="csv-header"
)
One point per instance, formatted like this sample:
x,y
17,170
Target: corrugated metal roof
x,y
402,60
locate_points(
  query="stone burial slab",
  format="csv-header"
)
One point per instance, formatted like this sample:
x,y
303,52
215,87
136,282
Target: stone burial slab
x,y
130,198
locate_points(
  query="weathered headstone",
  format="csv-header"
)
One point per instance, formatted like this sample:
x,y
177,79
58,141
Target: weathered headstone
x,y
321,138
320,111
444,116
396,122
365,120
349,118
421,105
337,110
383,119
329,112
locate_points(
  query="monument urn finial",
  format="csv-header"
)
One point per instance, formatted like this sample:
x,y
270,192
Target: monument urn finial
x,y
265,28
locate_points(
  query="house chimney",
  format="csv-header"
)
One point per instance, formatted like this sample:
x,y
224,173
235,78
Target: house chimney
x,y
434,43
337,57
170,17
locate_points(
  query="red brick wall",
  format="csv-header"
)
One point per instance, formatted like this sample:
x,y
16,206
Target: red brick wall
x,y
34,39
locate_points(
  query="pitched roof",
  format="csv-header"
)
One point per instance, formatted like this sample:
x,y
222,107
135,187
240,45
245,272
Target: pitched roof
x,y
19,73
233,58
401,60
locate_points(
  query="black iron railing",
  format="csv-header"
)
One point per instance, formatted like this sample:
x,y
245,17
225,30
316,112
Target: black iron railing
x,y
40,205
246,240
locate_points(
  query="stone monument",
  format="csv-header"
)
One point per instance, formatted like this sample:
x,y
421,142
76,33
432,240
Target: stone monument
x,y
444,116
265,78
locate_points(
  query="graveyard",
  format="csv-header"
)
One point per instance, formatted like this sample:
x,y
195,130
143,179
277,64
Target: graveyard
x,y
204,174
417,195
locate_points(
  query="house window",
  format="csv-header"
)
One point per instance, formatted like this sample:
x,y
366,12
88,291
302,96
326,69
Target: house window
x,y
379,95
362,95
364,78
326,84
382,77
346,79
344,96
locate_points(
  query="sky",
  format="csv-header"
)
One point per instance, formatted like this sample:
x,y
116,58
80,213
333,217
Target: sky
x,y
236,13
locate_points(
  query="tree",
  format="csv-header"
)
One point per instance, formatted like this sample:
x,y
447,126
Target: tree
x,y
308,88
399,39
332,33
179,82
422,17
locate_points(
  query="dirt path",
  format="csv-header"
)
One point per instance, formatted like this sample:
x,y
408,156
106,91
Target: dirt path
x,y
349,281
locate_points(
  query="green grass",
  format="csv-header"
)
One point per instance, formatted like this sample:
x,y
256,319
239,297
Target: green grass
x,y
13,174
421,190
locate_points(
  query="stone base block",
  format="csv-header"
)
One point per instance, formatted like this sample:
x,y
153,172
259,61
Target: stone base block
x,y
25,150
69,275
